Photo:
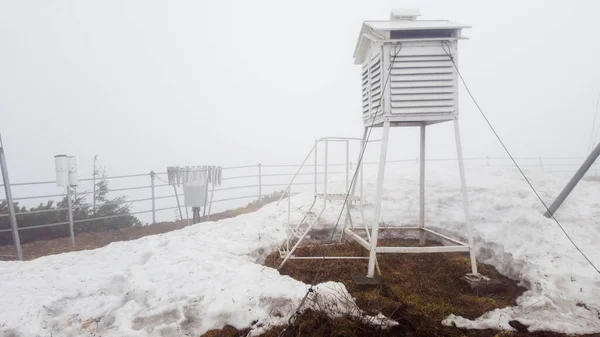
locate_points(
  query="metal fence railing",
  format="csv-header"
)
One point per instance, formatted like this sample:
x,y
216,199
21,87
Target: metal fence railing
x,y
148,196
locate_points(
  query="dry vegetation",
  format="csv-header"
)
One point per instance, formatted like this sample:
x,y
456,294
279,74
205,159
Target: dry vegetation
x,y
418,291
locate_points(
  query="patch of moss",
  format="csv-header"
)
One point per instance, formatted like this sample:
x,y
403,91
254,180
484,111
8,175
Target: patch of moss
x,y
437,310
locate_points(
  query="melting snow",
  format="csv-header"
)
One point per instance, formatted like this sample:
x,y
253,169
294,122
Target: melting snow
x,y
209,275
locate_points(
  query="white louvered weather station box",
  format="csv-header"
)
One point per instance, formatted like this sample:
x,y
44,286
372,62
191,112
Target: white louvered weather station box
x,y
416,56
409,78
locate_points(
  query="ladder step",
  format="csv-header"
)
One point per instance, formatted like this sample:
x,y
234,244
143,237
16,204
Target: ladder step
x,y
297,233
338,196
309,215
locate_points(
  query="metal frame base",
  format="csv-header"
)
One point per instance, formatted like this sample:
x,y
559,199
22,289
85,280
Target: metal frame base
x,y
449,245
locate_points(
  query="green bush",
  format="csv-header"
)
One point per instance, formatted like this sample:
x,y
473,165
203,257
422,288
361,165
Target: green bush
x,y
118,210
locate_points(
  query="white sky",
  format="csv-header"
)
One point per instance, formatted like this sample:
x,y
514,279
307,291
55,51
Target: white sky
x,y
148,84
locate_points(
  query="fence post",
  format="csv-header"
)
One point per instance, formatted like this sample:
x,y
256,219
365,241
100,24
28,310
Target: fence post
x,y
316,167
70,207
10,205
541,164
289,204
212,193
152,176
259,181
94,186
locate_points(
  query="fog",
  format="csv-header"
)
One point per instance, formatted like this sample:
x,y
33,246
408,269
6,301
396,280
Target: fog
x,y
148,84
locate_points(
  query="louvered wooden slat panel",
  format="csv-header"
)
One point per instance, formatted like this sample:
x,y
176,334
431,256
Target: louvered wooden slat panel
x,y
419,104
401,64
434,49
422,97
425,77
417,71
422,58
376,73
421,84
422,90
445,109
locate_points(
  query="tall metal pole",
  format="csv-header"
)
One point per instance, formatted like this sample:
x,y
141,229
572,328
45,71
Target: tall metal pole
x,y
70,207
422,189
11,207
573,182
259,181
152,175
463,184
378,196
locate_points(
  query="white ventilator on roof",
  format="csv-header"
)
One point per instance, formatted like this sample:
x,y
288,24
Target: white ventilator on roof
x,y
409,79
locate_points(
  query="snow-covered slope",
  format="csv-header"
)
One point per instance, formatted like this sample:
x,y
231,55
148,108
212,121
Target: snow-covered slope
x,y
209,275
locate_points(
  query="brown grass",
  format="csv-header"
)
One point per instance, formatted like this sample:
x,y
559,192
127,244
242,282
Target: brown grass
x,y
418,291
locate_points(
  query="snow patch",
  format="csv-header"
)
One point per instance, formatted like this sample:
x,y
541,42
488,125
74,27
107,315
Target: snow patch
x,y
209,275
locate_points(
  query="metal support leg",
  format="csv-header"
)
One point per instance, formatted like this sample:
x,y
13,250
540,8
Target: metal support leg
x,y
422,189
152,175
463,183
70,211
378,196
325,173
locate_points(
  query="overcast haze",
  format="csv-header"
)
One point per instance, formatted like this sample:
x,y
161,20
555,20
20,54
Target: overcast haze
x,y
147,84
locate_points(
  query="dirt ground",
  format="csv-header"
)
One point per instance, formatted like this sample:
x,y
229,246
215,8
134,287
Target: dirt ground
x,y
417,290
85,241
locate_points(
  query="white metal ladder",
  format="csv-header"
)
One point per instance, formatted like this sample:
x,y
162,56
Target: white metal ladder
x,y
298,232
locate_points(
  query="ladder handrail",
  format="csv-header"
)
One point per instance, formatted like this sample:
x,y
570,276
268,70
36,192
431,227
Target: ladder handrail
x,y
287,189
